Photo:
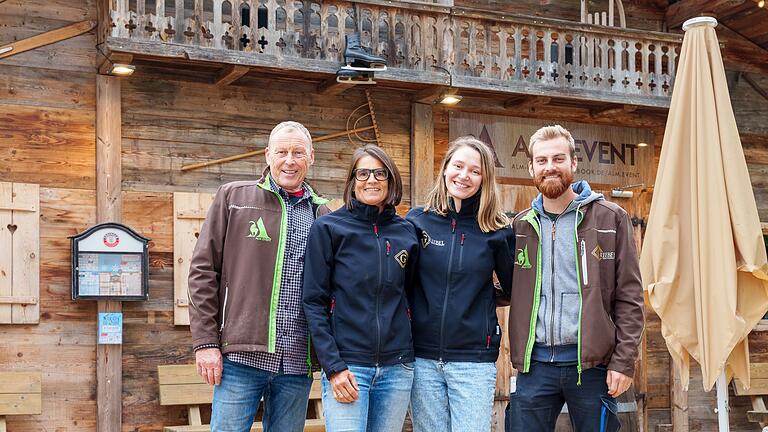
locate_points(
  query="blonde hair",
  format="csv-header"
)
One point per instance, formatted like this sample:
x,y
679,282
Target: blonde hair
x,y
490,216
551,132
291,126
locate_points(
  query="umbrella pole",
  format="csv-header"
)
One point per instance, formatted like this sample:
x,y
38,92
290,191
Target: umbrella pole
x,y
722,403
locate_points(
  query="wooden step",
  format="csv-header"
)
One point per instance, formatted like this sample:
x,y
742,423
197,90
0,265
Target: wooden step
x,y
311,425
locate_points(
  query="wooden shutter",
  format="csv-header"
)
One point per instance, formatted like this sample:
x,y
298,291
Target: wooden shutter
x,y
189,210
19,253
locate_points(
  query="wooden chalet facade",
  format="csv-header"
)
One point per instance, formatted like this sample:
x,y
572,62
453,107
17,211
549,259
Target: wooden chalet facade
x,y
212,77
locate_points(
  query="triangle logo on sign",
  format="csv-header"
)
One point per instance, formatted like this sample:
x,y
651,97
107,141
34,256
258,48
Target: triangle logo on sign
x,y
486,138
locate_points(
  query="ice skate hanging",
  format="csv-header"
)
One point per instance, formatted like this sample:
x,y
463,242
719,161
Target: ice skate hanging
x,y
360,63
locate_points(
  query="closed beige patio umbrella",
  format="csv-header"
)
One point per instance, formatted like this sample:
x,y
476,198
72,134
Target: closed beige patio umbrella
x,y
703,260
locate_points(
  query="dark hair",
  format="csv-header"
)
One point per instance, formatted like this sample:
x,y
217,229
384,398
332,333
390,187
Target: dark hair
x,y
394,180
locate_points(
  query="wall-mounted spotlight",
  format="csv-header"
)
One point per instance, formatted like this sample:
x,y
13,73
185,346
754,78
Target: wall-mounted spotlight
x,y
120,69
450,96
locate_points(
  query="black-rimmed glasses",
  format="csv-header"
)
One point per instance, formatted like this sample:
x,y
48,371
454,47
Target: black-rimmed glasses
x,y
363,174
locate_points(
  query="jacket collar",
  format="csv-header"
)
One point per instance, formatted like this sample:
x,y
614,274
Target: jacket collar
x,y
265,183
469,207
371,213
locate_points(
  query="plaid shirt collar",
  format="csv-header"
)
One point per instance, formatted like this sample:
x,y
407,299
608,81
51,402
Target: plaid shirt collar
x,y
283,193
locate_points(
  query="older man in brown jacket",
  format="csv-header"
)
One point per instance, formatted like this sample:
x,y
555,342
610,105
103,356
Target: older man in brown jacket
x,y
245,289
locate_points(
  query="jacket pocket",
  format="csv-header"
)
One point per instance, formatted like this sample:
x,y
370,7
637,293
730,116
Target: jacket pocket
x,y
568,319
487,330
387,264
333,316
584,266
224,309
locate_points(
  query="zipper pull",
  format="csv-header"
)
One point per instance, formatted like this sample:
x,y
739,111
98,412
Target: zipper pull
x,y
333,304
388,247
554,229
488,345
462,239
409,313
453,225
376,230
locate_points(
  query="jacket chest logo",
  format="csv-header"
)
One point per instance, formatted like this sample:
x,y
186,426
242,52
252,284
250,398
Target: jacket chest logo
x,y
522,258
258,231
598,253
402,258
426,240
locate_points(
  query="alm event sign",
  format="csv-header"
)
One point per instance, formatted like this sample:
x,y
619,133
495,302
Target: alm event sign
x,y
607,155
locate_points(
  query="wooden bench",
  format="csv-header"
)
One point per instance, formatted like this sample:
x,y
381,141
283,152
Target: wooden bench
x,y
181,385
20,394
757,390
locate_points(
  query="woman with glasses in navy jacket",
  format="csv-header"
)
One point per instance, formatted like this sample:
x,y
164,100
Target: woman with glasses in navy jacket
x,y
358,267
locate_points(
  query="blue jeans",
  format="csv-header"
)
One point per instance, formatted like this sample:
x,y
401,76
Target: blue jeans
x,y
381,405
237,398
542,391
452,396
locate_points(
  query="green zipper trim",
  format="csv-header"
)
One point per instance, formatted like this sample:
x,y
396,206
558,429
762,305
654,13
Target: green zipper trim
x,y
272,337
578,280
531,218
309,355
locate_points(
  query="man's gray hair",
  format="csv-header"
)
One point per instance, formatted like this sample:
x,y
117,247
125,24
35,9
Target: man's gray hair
x,y
290,126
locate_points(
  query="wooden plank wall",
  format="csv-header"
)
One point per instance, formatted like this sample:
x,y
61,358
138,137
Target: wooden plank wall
x,y
169,123
47,136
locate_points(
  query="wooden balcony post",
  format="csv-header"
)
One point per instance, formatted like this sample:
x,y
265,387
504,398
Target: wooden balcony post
x,y
422,151
109,366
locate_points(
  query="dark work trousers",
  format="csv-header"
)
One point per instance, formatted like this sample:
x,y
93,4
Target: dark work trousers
x,y
541,392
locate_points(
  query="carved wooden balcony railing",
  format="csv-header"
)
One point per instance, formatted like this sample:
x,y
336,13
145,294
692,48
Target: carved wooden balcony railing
x,y
482,50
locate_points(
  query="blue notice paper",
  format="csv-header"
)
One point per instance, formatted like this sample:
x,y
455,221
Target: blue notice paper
x,y
110,328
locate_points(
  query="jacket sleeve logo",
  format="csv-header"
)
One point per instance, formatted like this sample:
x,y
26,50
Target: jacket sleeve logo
x,y
402,258
258,231
522,258
598,253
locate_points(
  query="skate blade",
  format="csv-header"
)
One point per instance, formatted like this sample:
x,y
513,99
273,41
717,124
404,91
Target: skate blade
x,y
355,81
362,69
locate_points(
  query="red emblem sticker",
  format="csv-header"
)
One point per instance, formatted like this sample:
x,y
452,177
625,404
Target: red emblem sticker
x,y
111,239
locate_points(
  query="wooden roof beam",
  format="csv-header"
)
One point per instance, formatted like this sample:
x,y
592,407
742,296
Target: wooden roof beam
x,y
526,103
46,38
230,74
331,87
429,95
679,12
740,53
755,86
613,110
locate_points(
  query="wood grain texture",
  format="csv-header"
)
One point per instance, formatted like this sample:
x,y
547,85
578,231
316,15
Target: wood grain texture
x,y
189,212
422,152
109,208
160,138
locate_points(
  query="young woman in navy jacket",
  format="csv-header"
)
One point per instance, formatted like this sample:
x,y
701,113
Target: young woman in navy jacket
x,y
465,237
358,266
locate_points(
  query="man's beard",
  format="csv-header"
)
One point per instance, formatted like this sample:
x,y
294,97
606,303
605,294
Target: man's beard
x,y
554,188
